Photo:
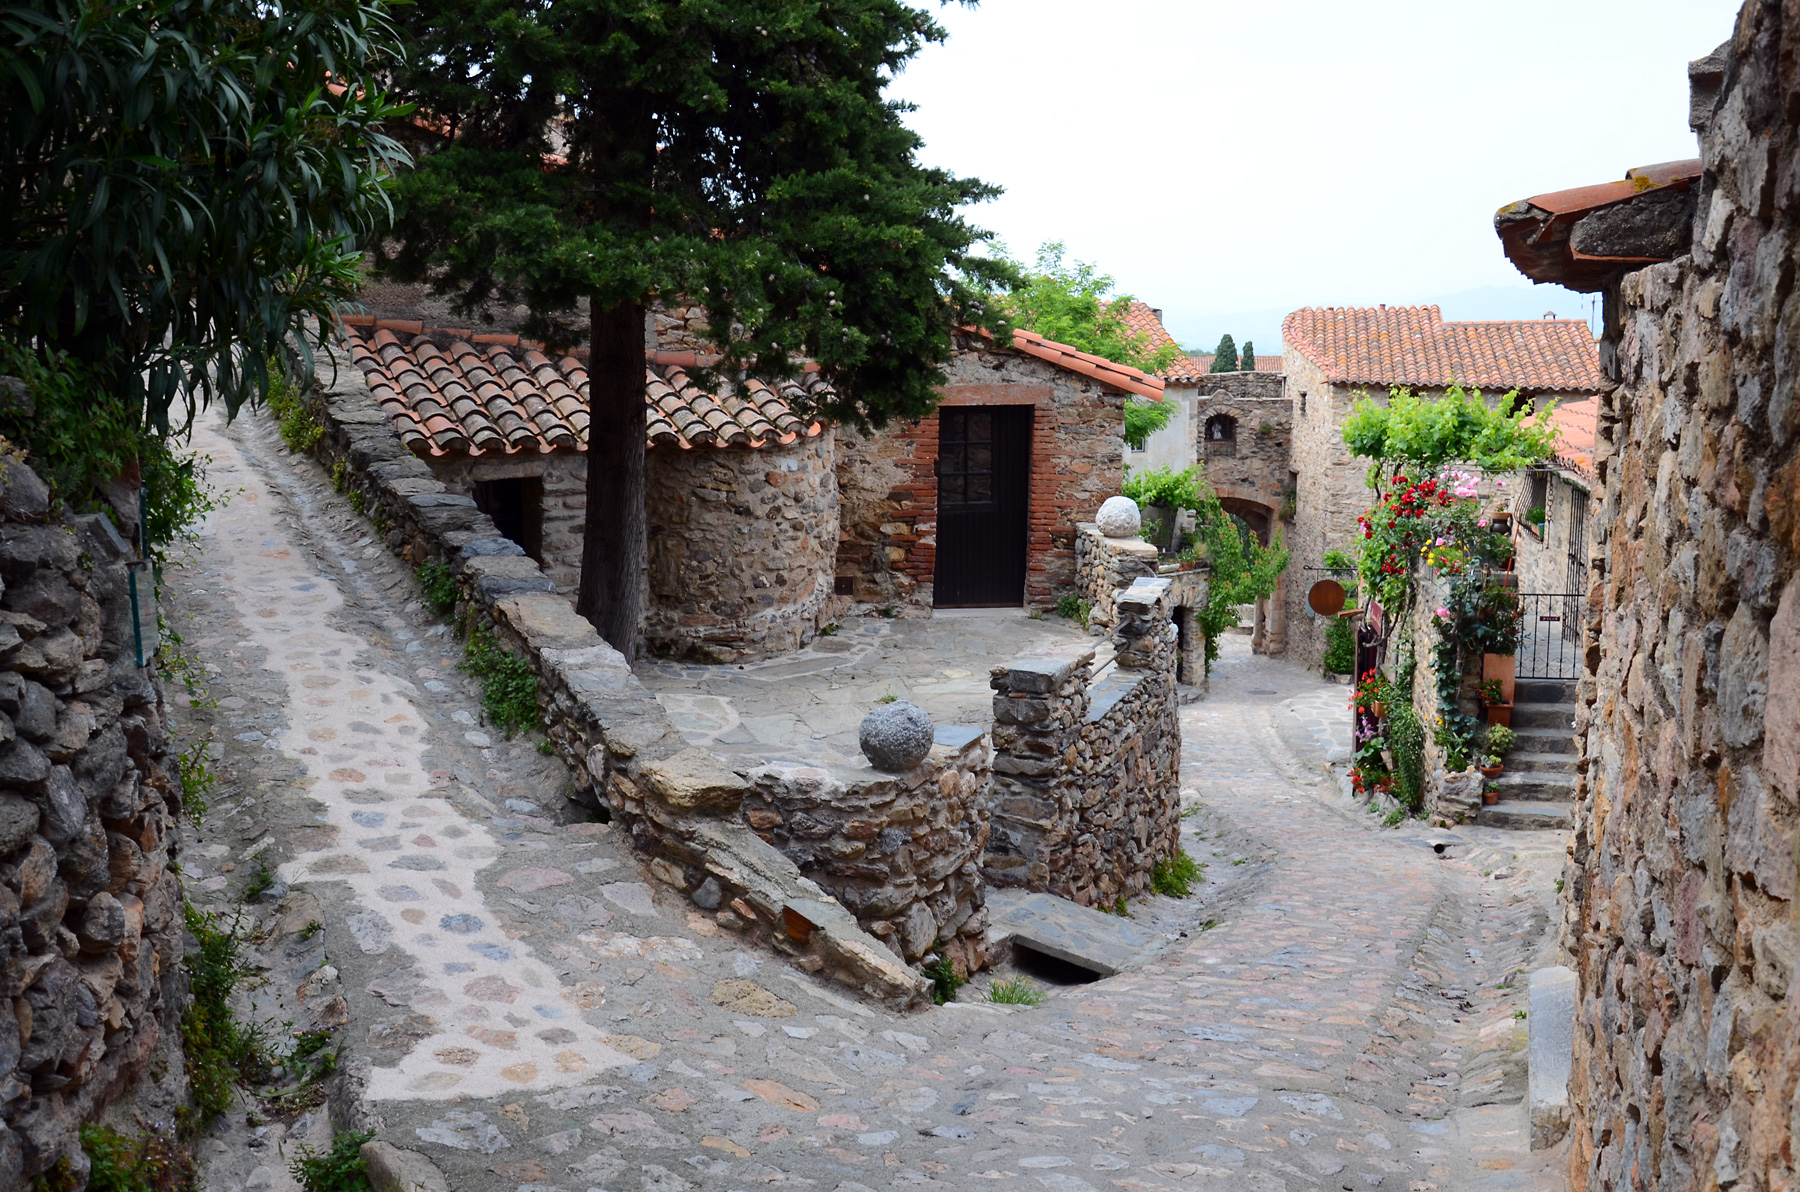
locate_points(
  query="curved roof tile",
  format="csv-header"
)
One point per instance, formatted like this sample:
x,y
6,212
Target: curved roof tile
x,y
452,390
1413,345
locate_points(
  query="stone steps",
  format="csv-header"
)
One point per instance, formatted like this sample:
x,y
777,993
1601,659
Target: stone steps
x,y
1540,785
1546,740
1524,815
1544,716
1533,761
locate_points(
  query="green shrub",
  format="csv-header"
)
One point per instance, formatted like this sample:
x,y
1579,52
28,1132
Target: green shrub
x,y
299,428
1340,647
944,979
1501,739
152,1163
197,781
437,584
1074,608
1145,418
1165,487
1405,738
339,1169
509,685
1018,992
1175,875
221,1051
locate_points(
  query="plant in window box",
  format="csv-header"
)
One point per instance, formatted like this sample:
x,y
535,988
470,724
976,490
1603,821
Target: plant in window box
x,y
1534,517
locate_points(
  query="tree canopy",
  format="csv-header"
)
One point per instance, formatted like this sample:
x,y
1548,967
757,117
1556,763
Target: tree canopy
x,y
1247,358
1418,437
610,153
1073,303
187,182
1225,356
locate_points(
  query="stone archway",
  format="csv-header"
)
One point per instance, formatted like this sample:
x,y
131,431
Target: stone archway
x,y
1261,512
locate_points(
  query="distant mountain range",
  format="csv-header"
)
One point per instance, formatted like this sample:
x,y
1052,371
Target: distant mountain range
x,y
1200,335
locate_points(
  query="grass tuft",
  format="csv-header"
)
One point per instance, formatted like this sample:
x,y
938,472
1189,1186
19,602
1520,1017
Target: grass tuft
x,y
339,1169
437,583
300,429
156,1162
944,980
221,1050
1017,992
1175,875
509,685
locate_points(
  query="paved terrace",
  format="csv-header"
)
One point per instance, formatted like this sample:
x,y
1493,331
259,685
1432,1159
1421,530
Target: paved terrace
x,y
517,1001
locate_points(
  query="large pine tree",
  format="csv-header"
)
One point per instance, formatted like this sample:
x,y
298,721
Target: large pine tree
x,y
594,155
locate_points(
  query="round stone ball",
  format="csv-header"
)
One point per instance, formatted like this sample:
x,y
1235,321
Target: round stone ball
x,y
896,737
1119,518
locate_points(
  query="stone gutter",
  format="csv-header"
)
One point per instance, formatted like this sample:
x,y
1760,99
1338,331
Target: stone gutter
x,y
679,804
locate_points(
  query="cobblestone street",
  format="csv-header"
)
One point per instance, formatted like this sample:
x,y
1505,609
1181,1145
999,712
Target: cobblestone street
x,y
1340,1005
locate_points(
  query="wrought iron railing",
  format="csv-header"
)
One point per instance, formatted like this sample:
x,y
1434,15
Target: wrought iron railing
x,y
1549,635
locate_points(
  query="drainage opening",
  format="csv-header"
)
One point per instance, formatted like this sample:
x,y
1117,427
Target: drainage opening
x,y
1050,969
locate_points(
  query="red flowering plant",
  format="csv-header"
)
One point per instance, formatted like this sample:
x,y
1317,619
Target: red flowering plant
x,y
1395,530
1369,771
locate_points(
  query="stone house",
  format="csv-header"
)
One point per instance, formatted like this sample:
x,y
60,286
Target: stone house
x,y
923,526
741,494
1553,554
762,524
1335,356
1679,895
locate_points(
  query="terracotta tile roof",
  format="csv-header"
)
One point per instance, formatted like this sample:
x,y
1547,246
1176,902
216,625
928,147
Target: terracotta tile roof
x,y
1198,368
1142,318
450,390
1413,345
1575,436
1119,376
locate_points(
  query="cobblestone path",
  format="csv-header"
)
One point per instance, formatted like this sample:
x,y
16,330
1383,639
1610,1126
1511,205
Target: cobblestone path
x,y
516,1001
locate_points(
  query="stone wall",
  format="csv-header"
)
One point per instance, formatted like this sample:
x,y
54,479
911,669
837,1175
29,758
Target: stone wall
x,y
563,475
91,929
887,550
1087,768
901,851
680,805
1106,567
742,544
1250,474
1332,491
740,541
1543,556
1679,904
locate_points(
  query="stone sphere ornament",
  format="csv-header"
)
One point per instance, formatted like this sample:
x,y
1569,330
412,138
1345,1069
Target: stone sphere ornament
x,y
1119,518
896,737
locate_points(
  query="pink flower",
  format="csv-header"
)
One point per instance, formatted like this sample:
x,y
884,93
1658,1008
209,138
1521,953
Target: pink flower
x,y
1482,522
1442,614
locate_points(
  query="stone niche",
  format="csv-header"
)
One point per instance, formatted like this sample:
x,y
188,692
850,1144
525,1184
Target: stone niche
x,y
1086,790
742,543
902,852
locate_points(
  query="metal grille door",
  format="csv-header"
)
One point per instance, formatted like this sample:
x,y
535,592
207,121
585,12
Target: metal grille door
x,y
1549,648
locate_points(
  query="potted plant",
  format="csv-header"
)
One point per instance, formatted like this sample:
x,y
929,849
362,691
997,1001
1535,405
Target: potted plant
x,y
1499,739
1499,709
1490,793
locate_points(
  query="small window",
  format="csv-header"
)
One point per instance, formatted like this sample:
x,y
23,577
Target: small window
x,y
1303,403
1537,501
517,507
1221,435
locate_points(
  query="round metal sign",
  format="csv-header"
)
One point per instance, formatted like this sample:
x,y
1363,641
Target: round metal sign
x,y
1326,598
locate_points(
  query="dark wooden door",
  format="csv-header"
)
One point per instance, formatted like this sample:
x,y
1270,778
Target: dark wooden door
x,y
984,492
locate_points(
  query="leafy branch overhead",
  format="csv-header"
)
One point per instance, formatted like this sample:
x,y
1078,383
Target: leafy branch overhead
x,y
188,183
1419,437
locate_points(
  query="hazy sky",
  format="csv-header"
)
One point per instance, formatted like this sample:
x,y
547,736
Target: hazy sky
x,y
1231,160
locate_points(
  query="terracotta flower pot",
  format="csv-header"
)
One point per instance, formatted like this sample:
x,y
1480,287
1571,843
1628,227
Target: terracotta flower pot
x,y
1489,798
1379,709
1491,771
1499,714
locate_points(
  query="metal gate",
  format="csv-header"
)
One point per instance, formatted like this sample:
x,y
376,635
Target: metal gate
x,y
984,490
1549,635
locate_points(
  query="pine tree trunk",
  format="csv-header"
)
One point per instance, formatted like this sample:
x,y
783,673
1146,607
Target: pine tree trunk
x,y
612,545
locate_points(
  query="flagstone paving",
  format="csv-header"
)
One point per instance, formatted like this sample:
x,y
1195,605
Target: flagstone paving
x,y
515,1000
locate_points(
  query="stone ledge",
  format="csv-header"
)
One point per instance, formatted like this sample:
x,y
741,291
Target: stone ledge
x,y
1550,1051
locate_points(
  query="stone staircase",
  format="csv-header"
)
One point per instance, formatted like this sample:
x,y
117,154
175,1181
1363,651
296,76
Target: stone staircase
x,y
1538,788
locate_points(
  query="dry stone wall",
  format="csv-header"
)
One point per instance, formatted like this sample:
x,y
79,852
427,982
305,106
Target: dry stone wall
x,y
1680,886
901,851
1086,769
1107,567
91,927
681,805
742,547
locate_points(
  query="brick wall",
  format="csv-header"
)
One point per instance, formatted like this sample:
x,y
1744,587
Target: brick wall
x,y
887,544
1679,903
